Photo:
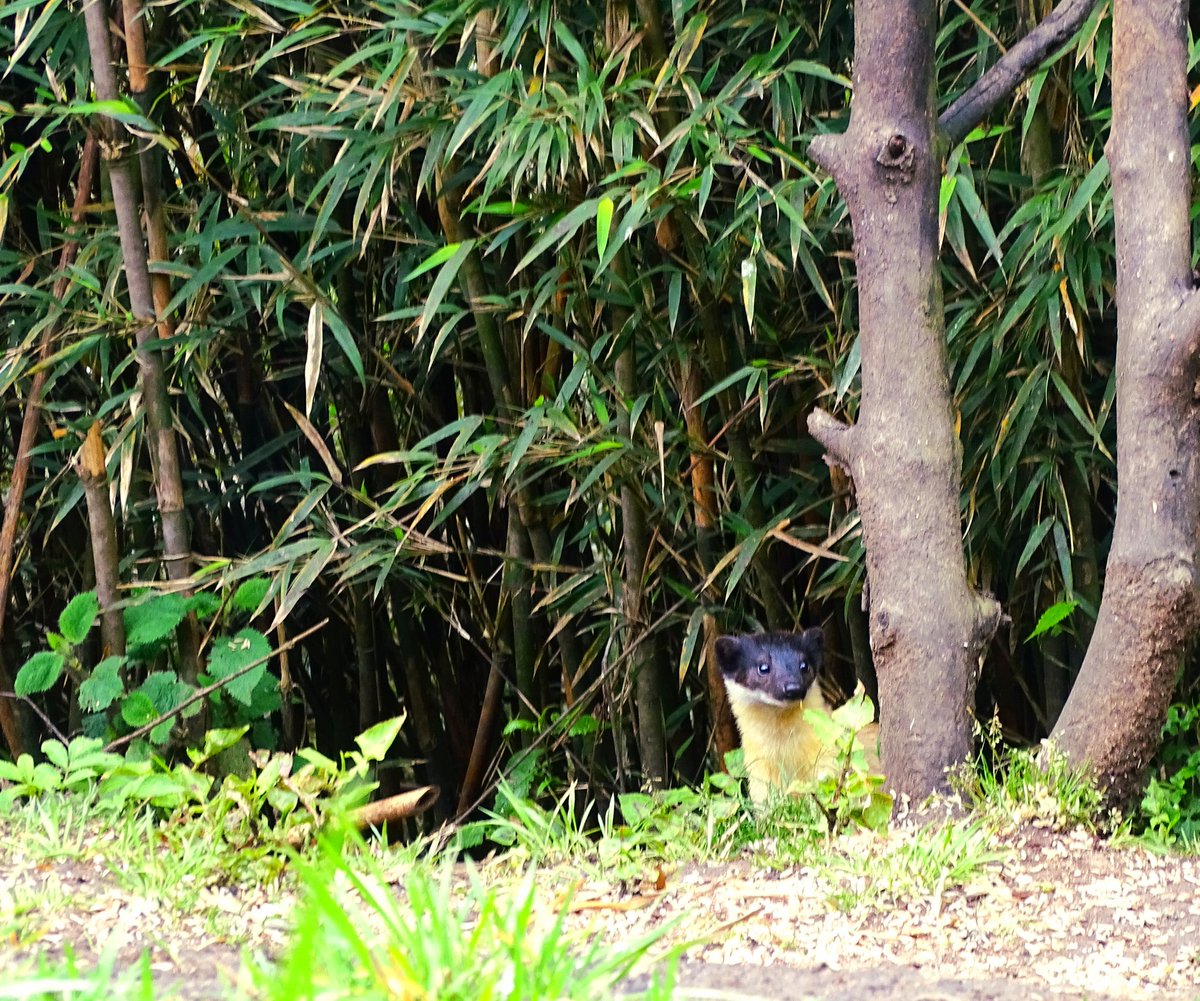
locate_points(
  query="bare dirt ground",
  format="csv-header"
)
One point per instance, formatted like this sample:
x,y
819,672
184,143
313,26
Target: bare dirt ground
x,y
1060,916
1063,916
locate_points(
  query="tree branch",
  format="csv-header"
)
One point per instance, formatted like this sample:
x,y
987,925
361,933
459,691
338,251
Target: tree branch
x,y
1013,68
834,435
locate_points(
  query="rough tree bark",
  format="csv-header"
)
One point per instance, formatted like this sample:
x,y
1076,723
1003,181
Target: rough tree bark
x,y
928,628
1114,715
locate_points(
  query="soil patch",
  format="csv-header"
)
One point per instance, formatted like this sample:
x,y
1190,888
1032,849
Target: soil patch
x,y
1061,916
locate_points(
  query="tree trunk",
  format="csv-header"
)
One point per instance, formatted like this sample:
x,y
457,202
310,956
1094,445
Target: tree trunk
x,y
647,673
121,161
704,498
105,554
1114,715
928,628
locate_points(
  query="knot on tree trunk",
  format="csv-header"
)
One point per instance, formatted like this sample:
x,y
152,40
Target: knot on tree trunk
x,y
898,158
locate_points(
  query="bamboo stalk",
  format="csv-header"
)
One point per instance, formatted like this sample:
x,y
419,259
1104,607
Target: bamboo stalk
x,y
105,554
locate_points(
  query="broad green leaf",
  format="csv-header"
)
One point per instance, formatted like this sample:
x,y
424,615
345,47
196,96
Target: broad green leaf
x,y
164,689
137,710
250,594
1052,617
79,616
154,620
103,687
204,604
231,654
855,713
39,673
378,739
56,753
216,741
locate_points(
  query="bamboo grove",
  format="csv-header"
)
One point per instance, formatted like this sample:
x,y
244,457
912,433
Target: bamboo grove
x,y
487,334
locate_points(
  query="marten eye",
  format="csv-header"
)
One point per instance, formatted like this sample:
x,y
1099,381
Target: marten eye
x,y
764,668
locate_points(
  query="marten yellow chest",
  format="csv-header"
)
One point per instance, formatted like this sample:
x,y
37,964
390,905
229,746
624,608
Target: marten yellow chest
x,y
772,679
779,746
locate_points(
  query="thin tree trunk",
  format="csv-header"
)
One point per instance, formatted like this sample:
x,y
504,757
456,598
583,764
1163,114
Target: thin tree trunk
x,y
489,716
517,581
928,628
106,557
704,500
160,431
149,163
366,662
1113,717
10,724
648,682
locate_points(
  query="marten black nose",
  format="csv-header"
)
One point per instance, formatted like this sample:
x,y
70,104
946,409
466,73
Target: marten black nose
x,y
793,691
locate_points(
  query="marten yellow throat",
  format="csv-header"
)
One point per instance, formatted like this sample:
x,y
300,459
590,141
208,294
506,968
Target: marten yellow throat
x,y
772,678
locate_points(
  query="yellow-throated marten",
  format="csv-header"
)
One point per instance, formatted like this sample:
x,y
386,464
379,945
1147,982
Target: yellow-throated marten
x,y
771,679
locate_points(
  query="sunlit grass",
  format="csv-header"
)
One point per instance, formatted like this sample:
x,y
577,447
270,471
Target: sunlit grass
x,y
442,934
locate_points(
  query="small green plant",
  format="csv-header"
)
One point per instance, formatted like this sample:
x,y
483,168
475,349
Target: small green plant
x,y
281,801
1029,784
849,792
445,935
135,694
1169,812
913,863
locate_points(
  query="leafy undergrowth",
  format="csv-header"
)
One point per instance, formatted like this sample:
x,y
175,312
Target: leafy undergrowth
x,y
348,918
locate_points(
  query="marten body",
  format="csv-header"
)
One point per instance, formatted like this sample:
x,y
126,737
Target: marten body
x,y
771,679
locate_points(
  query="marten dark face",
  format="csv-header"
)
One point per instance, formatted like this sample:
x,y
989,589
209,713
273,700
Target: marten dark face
x,y
775,668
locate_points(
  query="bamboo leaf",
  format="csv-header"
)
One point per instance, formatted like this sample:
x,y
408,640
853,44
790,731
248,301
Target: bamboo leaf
x,y
692,637
565,228
345,341
532,424
317,442
441,285
1040,531
749,271
208,67
315,341
604,213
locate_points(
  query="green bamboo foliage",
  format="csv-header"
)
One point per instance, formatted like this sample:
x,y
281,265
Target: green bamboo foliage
x,y
438,273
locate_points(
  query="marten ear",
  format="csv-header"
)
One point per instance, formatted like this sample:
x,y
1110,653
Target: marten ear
x,y
728,649
815,638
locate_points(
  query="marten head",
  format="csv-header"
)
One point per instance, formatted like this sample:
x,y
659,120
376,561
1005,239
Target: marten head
x,y
775,668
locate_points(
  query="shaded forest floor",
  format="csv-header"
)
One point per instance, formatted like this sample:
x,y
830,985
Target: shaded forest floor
x,y
1048,915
